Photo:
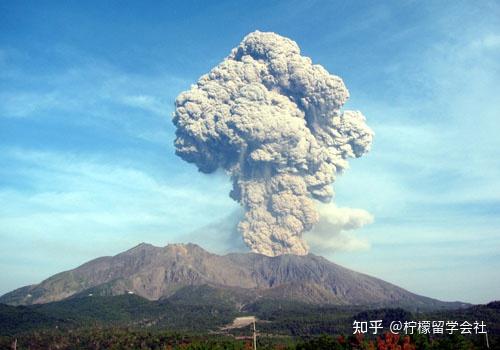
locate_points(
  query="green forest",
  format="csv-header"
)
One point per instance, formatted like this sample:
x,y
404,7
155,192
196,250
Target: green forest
x,y
132,322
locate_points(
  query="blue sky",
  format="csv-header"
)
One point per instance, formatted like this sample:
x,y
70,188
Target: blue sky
x,y
87,165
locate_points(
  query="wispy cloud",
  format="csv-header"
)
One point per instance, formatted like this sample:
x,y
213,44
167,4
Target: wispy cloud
x,y
333,233
93,202
93,93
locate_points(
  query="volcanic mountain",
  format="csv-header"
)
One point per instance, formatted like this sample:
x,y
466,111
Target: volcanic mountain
x,y
159,273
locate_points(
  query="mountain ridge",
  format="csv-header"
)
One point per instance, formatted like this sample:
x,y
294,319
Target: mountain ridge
x,y
159,272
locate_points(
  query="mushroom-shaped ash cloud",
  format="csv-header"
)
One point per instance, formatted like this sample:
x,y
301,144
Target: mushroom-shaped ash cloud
x,y
272,120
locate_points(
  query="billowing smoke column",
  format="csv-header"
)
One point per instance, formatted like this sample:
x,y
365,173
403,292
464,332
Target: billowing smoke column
x,y
271,119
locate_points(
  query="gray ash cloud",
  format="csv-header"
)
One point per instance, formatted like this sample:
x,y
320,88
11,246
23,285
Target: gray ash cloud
x,y
272,120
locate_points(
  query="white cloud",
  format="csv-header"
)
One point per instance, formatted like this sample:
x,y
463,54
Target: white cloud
x,y
88,199
20,105
489,41
92,93
148,103
330,232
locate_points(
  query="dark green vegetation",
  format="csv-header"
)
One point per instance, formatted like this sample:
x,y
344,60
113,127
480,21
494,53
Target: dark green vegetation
x,y
114,311
130,321
131,339
118,338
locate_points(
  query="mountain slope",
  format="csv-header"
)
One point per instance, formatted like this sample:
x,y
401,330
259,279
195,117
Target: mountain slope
x,y
157,273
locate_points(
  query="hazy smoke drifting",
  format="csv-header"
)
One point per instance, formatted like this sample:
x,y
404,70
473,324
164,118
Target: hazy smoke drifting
x,y
272,120
333,231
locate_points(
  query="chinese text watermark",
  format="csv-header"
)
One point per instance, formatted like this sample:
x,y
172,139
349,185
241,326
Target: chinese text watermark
x,y
420,327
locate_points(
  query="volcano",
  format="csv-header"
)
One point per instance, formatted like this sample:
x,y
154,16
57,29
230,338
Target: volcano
x,y
157,273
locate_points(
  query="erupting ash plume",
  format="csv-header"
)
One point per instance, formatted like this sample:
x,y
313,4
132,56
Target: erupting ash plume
x,y
271,119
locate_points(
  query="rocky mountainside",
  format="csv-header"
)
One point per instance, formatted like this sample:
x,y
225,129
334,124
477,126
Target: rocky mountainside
x,y
158,273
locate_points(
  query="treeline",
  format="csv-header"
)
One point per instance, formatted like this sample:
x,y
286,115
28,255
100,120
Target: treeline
x,y
128,321
115,338
114,311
